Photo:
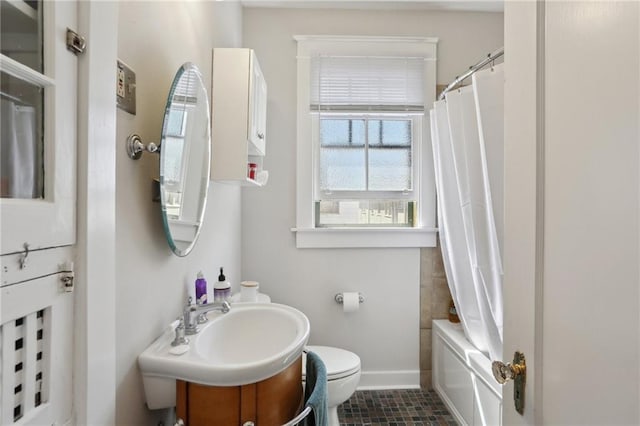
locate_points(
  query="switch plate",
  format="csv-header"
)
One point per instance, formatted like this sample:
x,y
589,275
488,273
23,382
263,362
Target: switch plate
x,y
126,88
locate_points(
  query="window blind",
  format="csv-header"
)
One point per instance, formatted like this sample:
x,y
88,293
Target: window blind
x,y
186,89
367,83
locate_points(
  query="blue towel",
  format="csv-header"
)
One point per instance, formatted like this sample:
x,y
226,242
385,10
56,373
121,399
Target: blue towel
x,y
315,392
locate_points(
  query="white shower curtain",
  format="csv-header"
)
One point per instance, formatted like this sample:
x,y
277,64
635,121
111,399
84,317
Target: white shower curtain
x,y
468,233
18,151
488,89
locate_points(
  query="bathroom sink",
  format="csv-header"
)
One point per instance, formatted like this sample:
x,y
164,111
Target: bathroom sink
x,y
250,343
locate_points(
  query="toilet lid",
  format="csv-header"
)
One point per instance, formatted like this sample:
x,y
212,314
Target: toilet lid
x,y
339,362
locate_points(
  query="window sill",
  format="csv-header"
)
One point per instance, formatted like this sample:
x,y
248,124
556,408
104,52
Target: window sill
x,y
365,237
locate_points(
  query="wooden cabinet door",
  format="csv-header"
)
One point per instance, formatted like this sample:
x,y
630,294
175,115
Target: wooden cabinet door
x,y
270,402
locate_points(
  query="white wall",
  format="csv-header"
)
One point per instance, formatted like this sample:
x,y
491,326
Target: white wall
x,y
385,333
155,38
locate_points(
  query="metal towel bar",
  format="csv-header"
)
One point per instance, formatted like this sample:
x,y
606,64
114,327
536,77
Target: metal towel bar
x,y
293,422
300,417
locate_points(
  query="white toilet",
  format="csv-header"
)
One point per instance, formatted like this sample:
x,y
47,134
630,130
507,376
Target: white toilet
x,y
343,376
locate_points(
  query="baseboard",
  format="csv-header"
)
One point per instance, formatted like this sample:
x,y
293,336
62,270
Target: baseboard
x,y
399,379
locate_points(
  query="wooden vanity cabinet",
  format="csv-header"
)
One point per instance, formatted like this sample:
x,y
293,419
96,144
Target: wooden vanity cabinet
x,y
273,401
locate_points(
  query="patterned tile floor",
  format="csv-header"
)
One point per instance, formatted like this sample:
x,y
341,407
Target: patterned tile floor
x,y
395,408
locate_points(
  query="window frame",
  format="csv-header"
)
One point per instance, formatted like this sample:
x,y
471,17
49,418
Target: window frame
x,y
423,234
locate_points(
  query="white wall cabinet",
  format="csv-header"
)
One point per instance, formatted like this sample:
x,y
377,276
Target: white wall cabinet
x,y
239,107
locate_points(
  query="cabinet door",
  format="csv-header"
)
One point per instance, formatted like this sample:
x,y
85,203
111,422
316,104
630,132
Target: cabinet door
x,y
37,182
257,109
37,203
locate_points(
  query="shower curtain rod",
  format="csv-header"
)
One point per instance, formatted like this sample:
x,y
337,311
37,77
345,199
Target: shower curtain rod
x,y
472,69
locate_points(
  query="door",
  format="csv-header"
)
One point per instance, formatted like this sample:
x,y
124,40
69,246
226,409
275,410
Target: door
x,y
572,165
257,108
37,206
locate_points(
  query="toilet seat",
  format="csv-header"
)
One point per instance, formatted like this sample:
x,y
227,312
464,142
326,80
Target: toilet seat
x,y
339,362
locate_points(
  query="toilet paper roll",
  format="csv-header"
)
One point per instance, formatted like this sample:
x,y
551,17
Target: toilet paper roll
x,y
350,302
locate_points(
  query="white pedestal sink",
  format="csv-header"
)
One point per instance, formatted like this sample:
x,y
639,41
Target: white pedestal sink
x,y
250,343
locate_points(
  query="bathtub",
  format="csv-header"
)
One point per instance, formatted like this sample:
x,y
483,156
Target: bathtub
x,y
462,377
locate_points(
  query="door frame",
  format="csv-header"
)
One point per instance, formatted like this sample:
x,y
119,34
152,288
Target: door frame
x,y
95,310
524,194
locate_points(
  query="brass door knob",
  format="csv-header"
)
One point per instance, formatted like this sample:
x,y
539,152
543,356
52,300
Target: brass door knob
x,y
505,372
516,371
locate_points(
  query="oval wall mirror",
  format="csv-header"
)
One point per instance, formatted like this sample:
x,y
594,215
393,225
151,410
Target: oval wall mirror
x,y
185,159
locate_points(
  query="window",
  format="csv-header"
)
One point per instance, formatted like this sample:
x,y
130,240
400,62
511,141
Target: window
x,y
365,175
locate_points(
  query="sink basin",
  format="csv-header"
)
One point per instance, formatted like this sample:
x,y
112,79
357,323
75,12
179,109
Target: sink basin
x,y
250,343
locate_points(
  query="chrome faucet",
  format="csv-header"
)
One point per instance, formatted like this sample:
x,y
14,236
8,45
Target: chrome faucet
x,y
193,314
180,339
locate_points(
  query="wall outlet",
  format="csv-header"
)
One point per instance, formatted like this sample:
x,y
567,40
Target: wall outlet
x,y
121,83
126,88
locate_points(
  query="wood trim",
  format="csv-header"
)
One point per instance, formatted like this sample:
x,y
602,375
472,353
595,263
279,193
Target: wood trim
x,y
248,405
181,400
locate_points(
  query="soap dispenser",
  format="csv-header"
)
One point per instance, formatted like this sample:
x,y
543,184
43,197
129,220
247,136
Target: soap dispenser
x,y
221,289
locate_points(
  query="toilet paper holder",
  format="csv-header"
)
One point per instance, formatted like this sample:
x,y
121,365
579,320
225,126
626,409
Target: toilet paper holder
x,y
339,298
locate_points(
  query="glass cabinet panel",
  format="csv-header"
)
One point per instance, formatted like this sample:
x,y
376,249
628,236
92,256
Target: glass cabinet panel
x,y
21,25
22,109
21,143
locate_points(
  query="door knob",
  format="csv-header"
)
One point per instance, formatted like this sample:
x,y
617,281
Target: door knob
x,y
505,372
516,371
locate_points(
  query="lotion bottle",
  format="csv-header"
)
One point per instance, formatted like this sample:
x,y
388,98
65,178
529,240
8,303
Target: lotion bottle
x,y
201,289
221,289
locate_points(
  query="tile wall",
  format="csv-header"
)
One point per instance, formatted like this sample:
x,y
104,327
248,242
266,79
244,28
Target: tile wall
x,y
434,304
